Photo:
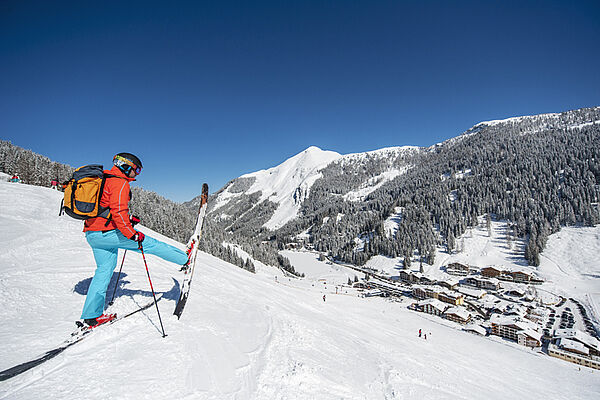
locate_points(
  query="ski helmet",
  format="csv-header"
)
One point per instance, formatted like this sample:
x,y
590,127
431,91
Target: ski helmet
x,y
127,162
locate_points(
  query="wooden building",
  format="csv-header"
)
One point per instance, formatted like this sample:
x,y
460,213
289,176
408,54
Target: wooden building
x,y
432,306
453,298
491,272
457,269
458,314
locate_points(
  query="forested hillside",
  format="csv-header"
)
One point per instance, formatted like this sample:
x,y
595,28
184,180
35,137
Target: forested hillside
x,y
539,173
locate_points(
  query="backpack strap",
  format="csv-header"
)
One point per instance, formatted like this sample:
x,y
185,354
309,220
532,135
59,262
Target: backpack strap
x,y
105,213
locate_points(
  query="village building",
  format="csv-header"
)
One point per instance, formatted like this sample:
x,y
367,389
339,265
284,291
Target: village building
x,y
514,309
537,315
529,338
521,277
509,327
591,344
506,276
476,329
432,306
570,356
469,292
418,292
458,314
515,292
491,272
408,276
453,298
426,292
573,346
457,269
488,284
451,283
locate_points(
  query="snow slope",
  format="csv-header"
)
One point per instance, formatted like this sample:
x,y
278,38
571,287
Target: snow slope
x,y
242,336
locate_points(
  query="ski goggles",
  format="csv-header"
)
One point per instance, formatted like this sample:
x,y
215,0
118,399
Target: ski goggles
x,y
118,160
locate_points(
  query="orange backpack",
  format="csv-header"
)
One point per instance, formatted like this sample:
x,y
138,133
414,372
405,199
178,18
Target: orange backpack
x,y
83,192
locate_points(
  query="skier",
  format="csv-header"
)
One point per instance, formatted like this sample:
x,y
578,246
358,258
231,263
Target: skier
x,y
323,298
107,235
419,333
54,184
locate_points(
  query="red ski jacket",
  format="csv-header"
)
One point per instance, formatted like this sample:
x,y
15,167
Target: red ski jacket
x,y
116,196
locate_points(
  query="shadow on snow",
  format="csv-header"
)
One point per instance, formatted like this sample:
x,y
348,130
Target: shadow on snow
x,y
83,286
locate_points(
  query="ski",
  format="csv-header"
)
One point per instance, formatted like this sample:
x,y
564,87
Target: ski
x,y
193,252
75,338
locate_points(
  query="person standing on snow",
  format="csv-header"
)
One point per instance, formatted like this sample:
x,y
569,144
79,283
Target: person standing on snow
x,y
107,235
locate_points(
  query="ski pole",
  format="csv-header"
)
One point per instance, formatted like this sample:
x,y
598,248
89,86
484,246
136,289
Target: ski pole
x,y
118,277
152,288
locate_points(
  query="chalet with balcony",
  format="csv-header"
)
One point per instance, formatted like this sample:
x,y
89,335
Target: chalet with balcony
x,y
432,306
454,298
521,277
491,272
457,269
487,284
458,314
509,327
451,283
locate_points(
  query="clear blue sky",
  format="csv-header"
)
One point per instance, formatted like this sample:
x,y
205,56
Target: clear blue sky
x,y
207,91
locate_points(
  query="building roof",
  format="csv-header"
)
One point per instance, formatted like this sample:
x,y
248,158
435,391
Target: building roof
x,y
452,281
531,333
477,329
579,336
433,303
460,312
569,344
517,322
472,292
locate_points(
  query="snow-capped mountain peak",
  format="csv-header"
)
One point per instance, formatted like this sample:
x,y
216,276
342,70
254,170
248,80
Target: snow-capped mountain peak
x,y
286,184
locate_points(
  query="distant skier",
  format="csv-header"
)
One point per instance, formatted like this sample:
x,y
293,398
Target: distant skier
x,y
107,235
54,184
419,333
15,178
323,298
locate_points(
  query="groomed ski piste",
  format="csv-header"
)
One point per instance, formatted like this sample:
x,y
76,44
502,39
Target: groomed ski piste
x,y
242,336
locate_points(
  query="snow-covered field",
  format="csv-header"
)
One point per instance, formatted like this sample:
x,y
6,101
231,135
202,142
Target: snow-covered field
x,y
242,335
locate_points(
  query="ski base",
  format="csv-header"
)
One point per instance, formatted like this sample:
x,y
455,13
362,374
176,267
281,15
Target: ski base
x,y
194,244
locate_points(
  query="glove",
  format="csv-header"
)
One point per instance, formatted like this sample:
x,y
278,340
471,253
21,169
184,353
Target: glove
x,y
134,219
138,237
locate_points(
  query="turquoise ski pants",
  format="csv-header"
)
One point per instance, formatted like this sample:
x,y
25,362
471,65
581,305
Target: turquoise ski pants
x,y
105,246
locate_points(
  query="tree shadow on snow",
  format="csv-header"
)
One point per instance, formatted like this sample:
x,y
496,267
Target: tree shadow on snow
x,y
83,286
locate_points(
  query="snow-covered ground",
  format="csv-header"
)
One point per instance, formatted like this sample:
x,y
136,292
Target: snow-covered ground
x,y
242,335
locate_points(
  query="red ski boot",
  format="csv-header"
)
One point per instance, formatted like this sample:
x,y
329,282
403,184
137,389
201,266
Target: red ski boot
x,y
104,318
